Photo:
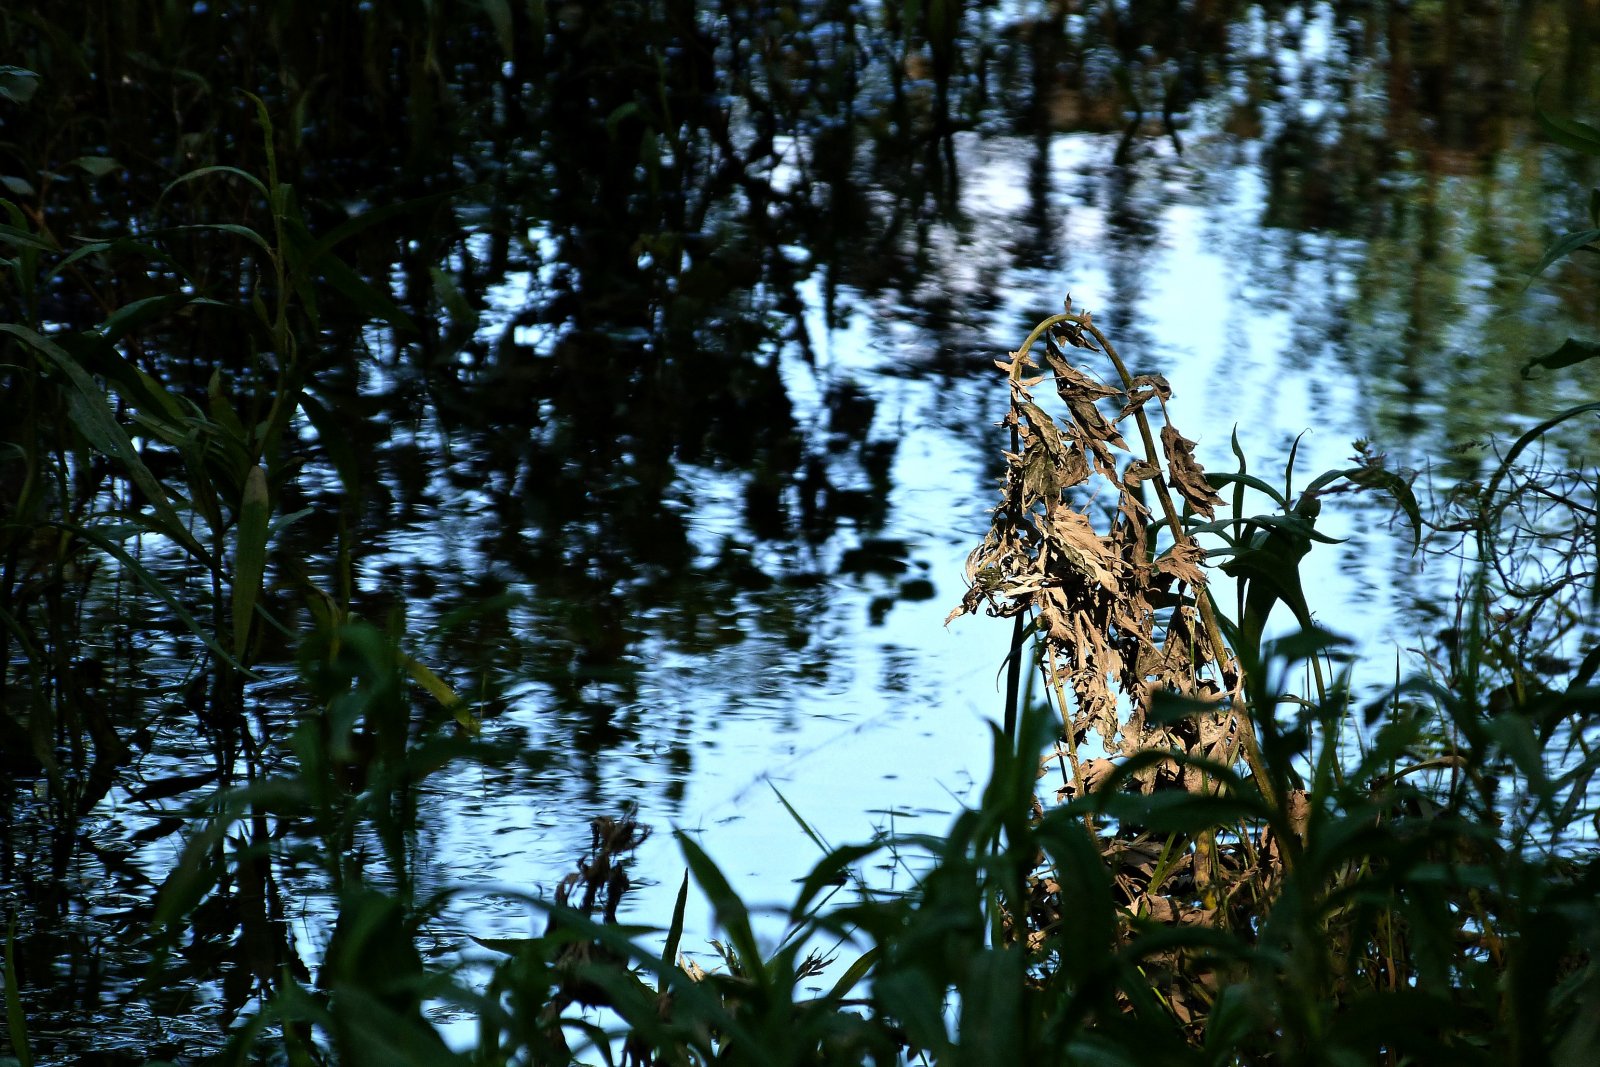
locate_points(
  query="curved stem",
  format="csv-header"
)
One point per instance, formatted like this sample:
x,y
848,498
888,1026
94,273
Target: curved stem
x,y
1208,616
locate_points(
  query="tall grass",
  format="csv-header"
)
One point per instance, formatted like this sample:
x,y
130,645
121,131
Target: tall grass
x,y
1231,860
1224,866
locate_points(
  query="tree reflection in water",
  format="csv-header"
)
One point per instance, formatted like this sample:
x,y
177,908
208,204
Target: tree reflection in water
x,y
626,229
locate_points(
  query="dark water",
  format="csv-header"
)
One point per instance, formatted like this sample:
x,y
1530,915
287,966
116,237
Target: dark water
x,y
677,474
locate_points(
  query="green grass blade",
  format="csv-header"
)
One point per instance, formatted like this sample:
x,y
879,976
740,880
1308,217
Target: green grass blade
x,y
90,410
156,586
731,912
250,559
669,953
201,172
815,837
16,1024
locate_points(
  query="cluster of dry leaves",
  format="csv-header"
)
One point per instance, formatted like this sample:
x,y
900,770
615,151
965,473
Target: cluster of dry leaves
x,y
1118,612
1088,543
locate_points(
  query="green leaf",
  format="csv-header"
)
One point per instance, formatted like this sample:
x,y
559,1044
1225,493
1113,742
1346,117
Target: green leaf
x,y
16,1022
227,227
129,317
366,298
203,172
108,545
1579,136
125,245
21,238
1218,479
509,946
18,84
191,878
18,186
499,12
440,690
854,973
730,910
1375,477
222,412
268,142
618,115
669,952
96,166
341,453
89,409
1270,569
1570,354
250,555
832,870
1564,247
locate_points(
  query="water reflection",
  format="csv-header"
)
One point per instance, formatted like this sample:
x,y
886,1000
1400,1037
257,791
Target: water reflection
x,y
675,476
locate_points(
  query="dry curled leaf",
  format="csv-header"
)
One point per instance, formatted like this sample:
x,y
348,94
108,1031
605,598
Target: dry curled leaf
x,y
1182,561
1138,471
1187,476
1079,392
1145,387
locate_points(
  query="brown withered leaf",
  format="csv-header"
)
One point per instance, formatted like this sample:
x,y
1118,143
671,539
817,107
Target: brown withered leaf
x,y
1145,387
1043,425
1040,480
1075,542
1182,561
1074,468
1095,772
1072,334
1073,384
1079,392
1156,907
1187,476
1138,471
1010,366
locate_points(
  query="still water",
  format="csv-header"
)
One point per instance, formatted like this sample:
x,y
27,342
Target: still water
x,y
1324,231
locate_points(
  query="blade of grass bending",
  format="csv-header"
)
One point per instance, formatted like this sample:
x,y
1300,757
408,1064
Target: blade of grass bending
x,y
156,586
224,227
816,838
201,172
91,413
1564,247
440,690
16,1023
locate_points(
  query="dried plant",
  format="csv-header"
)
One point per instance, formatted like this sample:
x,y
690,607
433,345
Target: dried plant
x,y
1113,592
1121,612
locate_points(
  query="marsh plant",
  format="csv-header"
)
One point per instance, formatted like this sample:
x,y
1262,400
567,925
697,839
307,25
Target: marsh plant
x,y
1195,846
1229,859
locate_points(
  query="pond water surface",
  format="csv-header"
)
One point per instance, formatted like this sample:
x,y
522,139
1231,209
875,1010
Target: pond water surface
x,y
719,518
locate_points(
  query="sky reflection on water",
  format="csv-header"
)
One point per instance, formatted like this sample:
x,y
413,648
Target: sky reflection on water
x,y
747,593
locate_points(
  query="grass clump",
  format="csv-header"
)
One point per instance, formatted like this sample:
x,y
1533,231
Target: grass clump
x,y
1231,869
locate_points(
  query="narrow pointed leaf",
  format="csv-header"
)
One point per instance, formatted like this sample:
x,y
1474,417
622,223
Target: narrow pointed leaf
x,y
1570,354
669,952
250,558
90,410
730,910
16,1022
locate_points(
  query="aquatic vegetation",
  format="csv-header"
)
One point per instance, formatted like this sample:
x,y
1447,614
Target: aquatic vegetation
x,y
1249,870
232,289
